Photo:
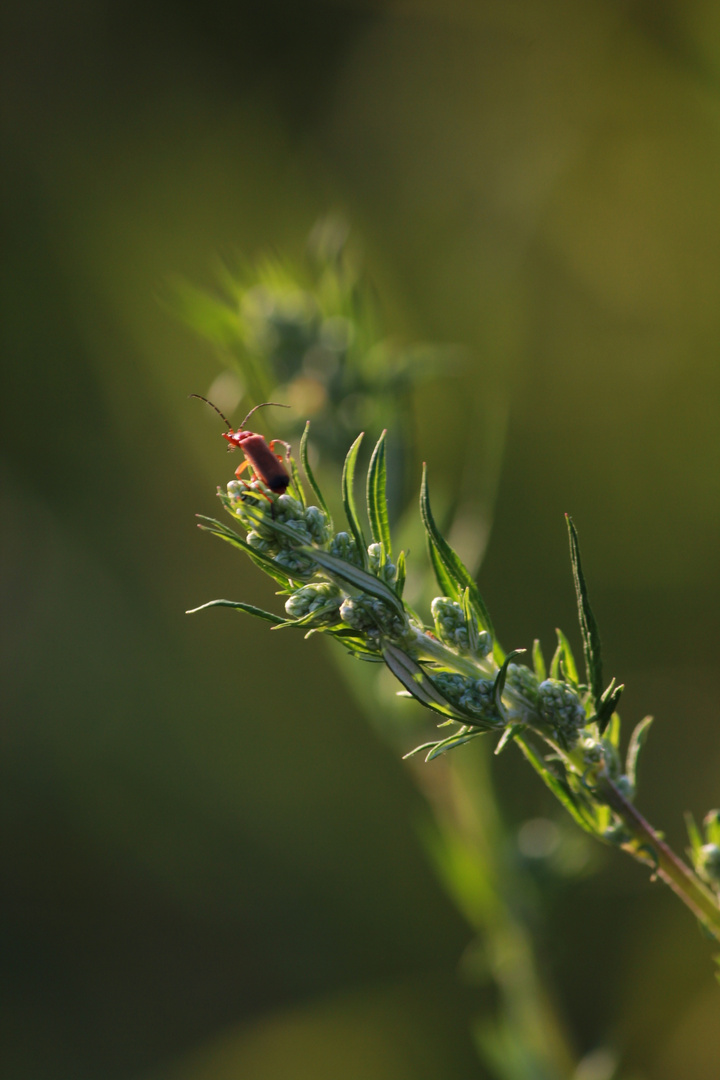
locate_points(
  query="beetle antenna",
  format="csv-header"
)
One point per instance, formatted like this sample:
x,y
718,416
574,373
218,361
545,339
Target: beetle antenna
x,y
215,408
260,406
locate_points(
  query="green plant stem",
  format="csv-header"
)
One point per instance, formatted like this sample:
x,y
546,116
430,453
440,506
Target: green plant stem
x,y
666,864
432,649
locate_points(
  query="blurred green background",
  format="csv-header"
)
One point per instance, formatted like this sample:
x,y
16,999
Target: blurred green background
x,y
204,874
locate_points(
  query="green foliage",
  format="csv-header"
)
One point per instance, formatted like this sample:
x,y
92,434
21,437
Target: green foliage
x,y
348,497
569,732
377,497
310,333
309,473
452,576
588,623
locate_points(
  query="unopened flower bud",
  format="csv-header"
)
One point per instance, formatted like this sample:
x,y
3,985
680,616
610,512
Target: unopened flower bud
x,y
562,711
372,618
311,598
343,547
452,628
707,863
293,563
288,509
622,783
523,681
317,524
260,543
380,565
474,697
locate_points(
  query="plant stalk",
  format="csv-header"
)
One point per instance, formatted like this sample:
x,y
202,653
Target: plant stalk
x,y
666,864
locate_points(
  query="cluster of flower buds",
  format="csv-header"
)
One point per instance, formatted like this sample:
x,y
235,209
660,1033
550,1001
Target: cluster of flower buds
x,y
475,698
561,712
320,601
337,584
454,628
284,529
464,673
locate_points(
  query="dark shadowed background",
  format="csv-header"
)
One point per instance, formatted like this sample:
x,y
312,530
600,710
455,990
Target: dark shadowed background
x,y
213,866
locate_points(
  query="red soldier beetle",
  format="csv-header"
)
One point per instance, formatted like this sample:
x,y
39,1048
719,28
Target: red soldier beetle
x,y
259,455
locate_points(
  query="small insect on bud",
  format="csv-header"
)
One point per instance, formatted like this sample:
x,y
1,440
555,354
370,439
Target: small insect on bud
x,y
259,455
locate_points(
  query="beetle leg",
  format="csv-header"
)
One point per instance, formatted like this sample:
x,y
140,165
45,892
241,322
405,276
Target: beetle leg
x,y
252,493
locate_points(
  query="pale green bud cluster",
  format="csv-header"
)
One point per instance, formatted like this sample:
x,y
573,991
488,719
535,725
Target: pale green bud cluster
x,y
474,697
261,512
318,525
323,598
343,546
452,629
309,525
380,565
521,692
561,711
373,619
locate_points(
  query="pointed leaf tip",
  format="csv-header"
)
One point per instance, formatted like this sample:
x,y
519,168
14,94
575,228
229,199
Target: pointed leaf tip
x,y
377,497
305,459
452,575
588,623
348,495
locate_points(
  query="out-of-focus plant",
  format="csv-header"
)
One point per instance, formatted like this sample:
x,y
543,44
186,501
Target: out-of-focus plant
x,y
311,336
566,725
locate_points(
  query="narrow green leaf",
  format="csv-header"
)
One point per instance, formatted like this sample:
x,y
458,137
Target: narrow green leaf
x,y
348,495
419,749
239,606
637,742
508,735
265,562
456,572
451,743
309,473
445,583
711,824
499,684
353,575
568,660
607,706
296,481
401,573
696,840
261,559
377,498
356,646
289,583
471,621
588,624
612,732
306,620
539,661
555,663
560,790
418,682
